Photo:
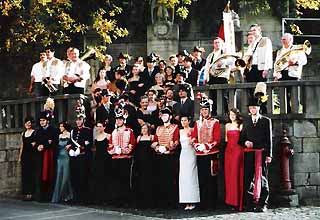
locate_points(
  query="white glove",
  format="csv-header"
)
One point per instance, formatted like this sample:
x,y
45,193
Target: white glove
x,y
162,149
86,143
71,153
117,150
201,147
77,152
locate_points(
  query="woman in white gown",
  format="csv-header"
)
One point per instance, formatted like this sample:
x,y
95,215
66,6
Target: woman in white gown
x,y
188,175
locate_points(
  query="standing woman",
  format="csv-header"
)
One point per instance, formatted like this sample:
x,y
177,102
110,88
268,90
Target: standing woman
x,y
26,157
62,189
189,193
102,163
233,159
143,159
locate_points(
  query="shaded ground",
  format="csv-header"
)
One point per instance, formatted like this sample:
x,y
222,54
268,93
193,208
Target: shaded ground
x,y
11,209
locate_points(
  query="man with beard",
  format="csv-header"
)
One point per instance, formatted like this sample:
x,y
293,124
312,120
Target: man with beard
x,y
46,142
206,138
122,144
256,137
80,153
166,160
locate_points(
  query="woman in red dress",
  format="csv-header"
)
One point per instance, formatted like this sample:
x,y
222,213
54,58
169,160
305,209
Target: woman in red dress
x,y
233,160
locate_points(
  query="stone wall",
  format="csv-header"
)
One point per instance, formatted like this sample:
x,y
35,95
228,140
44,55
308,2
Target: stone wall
x,y
10,173
304,135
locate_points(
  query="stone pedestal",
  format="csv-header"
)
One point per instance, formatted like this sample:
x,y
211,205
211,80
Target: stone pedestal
x,y
163,39
286,199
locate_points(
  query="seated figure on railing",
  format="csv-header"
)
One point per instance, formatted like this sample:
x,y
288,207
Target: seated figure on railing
x,y
289,62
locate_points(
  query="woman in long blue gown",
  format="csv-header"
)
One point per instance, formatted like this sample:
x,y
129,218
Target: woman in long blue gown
x,y
62,189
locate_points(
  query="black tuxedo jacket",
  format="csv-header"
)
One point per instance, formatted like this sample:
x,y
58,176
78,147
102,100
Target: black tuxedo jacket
x,y
198,65
192,77
187,108
260,134
108,116
148,79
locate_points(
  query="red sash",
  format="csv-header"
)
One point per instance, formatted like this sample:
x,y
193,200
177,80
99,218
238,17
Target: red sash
x,y
257,175
48,166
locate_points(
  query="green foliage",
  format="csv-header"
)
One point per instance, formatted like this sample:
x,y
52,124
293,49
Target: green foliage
x,y
55,22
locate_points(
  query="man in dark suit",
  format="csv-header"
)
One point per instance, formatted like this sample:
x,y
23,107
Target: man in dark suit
x,y
181,56
198,61
123,65
256,137
46,142
191,73
105,112
185,106
148,74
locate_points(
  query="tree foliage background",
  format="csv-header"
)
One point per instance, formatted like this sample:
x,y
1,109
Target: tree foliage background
x,y
56,22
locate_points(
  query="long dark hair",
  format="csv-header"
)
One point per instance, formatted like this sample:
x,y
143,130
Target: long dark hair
x,y
238,116
66,125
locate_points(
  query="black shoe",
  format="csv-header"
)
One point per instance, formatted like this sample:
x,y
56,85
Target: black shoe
x,y
260,209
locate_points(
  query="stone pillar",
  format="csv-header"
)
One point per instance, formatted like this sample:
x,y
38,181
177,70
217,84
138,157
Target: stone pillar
x,y
163,39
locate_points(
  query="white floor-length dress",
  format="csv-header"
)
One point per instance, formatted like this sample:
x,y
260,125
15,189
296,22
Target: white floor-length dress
x,y
188,174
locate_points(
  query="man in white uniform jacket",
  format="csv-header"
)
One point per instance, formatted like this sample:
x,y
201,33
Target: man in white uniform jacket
x,y
76,74
261,52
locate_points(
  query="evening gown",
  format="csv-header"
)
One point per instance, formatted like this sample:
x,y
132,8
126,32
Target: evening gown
x,y
143,167
233,160
101,172
28,164
188,175
62,189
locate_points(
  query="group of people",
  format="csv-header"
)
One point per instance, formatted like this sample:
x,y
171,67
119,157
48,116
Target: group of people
x,y
156,168
138,143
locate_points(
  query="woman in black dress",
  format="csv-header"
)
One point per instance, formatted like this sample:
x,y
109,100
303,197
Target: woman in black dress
x,y
143,159
102,163
136,85
26,157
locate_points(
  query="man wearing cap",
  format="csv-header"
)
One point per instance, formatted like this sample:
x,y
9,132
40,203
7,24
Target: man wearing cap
x,y
76,74
123,65
260,53
148,74
181,56
191,73
105,112
46,141
122,143
185,106
165,146
198,61
180,80
80,153
206,139
256,138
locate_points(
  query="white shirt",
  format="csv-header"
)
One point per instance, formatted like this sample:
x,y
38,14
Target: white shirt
x,y
37,72
54,69
78,68
225,64
295,70
261,51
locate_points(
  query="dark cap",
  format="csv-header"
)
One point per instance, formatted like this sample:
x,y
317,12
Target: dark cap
x,y
198,49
